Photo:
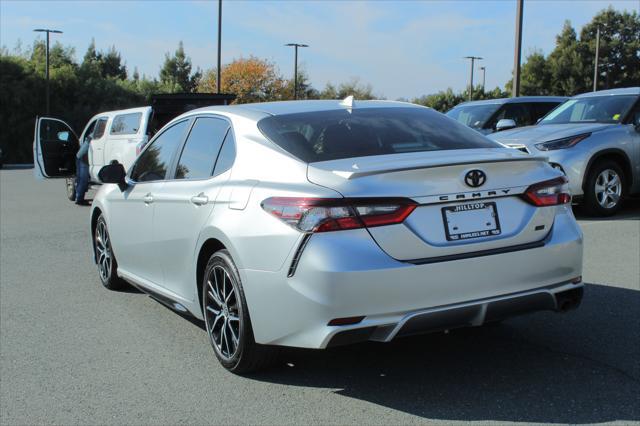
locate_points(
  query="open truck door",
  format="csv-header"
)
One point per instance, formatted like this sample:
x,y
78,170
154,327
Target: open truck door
x,y
55,146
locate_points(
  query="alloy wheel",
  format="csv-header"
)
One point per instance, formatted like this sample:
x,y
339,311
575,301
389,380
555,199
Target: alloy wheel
x,y
608,188
103,251
222,312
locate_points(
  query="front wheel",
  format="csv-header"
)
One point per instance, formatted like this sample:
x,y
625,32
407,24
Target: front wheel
x,y
227,318
107,264
604,189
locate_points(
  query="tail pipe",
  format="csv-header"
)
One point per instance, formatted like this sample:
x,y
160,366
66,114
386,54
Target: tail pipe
x,y
568,300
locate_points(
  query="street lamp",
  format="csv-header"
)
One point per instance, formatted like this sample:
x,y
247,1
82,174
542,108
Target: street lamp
x,y
518,51
295,67
48,31
484,74
218,70
473,59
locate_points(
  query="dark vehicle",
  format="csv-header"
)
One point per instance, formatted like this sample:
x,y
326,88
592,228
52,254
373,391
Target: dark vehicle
x,y
494,115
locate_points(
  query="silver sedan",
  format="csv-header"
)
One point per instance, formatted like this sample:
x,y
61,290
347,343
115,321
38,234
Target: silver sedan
x,y
321,223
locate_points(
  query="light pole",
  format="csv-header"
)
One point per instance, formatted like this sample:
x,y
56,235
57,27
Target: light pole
x,y
518,51
295,67
473,59
48,31
595,67
218,70
484,74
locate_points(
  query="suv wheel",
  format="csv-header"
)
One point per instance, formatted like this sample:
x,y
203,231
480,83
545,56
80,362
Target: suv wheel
x,y
71,188
107,264
604,189
227,318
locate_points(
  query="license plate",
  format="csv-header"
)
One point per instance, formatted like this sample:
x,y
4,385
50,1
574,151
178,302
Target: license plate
x,y
473,220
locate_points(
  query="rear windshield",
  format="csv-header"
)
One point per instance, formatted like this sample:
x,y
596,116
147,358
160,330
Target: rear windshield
x,y
337,134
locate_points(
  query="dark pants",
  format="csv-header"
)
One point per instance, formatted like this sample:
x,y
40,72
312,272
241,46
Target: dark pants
x,y
82,180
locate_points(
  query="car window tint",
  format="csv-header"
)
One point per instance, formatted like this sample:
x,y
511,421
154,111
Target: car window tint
x,y
345,133
201,149
101,125
126,124
154,162
516,112
89,132
227,154
542,108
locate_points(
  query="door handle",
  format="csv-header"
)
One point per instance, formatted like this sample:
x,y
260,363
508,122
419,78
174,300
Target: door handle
x,y
148,199
200,199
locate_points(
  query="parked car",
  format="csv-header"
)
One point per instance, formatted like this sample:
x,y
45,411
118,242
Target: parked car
x,y
321,223
495,115
593,138
113,135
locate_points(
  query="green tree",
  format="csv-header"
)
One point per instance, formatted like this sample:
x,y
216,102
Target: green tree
x,y
352,87
176,73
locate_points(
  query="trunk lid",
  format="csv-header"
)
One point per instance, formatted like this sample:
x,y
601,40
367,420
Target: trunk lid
x,y
452,217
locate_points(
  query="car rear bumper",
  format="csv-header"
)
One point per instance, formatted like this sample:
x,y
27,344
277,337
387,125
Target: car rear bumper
x,y
345,274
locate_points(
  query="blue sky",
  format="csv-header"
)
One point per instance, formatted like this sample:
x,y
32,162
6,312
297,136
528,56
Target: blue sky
x,y
402,48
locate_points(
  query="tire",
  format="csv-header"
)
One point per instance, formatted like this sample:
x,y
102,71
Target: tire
x,y
71,188
604,189
227,318
105,259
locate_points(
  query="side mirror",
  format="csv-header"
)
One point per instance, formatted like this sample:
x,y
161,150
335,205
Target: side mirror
x,y
505,124
63,136
113,173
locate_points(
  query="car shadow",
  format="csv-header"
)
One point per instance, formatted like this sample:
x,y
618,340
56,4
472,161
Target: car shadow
x,y
629,210
579,367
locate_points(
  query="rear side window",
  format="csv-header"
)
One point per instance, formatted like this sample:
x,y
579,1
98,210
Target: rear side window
x,y
337,134
201,150
101,125
126,124
154,162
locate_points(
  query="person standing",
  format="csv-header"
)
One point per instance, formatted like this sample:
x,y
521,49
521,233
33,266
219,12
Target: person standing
x,y
82,172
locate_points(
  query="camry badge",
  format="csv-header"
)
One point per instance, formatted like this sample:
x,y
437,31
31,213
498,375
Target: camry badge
x,y
475,178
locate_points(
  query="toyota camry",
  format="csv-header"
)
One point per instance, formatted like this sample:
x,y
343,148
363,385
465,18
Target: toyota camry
x,y
321,223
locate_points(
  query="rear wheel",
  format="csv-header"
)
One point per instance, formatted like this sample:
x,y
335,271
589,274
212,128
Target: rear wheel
x,y
107,264
227,318
70,183
604,189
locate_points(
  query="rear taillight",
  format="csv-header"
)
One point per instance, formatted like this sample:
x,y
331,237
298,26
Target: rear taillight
x,y
548,193
335,214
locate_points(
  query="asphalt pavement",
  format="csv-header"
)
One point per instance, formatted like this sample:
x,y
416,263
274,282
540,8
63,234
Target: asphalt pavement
x,y
72,352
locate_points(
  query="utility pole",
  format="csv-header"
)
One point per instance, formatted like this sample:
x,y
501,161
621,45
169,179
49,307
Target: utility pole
x,y
484,74
219,69
48,31
295,67
473,59
595,67
518,52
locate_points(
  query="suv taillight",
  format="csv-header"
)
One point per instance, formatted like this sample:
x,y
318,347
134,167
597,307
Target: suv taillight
x,y
548,193
335,214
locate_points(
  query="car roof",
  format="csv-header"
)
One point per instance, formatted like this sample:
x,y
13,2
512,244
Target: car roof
x,y
257,110
611,92
519,99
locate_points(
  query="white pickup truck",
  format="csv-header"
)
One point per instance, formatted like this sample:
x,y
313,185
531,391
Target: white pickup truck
x,y
113,135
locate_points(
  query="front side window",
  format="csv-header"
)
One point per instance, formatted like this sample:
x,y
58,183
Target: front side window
x,y
201,149
101,125
336,134
596,109
89,132
154,162
473,115
126,124
517,112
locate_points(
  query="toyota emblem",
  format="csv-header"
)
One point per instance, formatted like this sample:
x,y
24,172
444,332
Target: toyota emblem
x,y
475,178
